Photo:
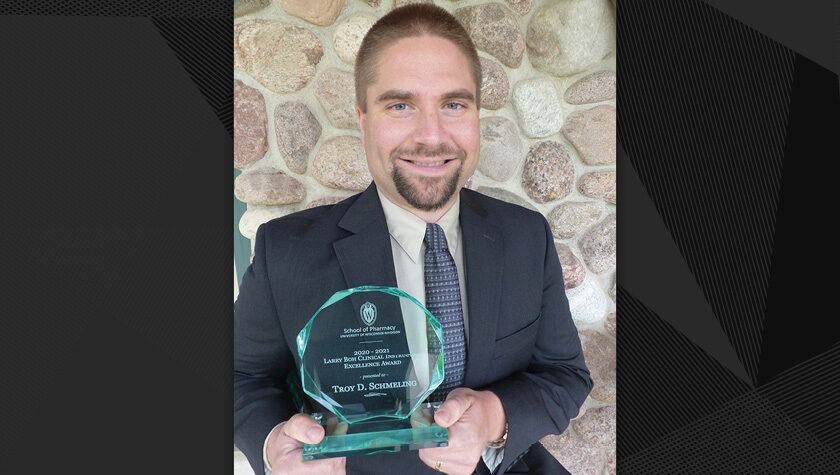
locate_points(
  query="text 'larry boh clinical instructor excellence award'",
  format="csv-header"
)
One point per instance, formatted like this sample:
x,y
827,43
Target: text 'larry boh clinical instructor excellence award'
x,y
371,356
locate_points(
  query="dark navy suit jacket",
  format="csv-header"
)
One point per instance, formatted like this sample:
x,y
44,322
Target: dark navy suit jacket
x,y
522,344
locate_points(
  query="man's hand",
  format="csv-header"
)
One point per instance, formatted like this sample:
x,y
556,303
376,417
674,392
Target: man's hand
x,y
473,418
284,448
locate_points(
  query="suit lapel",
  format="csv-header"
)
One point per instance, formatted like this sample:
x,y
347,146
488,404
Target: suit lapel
x,y
483,260
365,256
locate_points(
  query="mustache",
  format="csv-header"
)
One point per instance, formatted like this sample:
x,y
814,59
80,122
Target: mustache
x,y
442,150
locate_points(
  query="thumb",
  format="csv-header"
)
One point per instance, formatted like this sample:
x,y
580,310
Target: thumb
x,y
452,409
304,429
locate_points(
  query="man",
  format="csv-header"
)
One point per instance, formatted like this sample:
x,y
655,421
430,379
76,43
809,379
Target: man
x,y
418,81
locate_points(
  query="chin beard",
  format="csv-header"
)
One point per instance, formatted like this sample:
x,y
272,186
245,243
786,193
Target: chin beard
x,y
426,193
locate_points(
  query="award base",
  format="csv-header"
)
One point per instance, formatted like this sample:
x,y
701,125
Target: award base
x,y
370,437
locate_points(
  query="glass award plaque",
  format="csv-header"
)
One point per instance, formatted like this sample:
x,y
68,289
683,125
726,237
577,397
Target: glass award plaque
x,y
370,356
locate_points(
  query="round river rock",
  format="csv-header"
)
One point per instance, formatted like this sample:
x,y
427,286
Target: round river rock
x,y
281,56
549,172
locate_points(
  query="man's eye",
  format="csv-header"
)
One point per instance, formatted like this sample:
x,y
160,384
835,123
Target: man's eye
x,y
454,106
398,107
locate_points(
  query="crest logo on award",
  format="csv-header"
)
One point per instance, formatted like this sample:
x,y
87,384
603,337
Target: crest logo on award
x,y
368,313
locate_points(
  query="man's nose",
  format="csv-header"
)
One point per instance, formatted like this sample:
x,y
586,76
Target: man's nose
x,y
430,130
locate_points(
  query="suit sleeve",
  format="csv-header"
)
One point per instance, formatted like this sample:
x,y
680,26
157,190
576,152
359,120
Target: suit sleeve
x,y
261,361
542,399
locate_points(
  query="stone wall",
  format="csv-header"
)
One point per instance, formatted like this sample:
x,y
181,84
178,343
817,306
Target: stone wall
x,y
548,143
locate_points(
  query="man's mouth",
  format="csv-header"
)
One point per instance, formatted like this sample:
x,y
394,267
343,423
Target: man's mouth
x,y
430,164
429,159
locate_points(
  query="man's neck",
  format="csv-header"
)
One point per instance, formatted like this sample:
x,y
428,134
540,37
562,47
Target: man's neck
x,y
427,216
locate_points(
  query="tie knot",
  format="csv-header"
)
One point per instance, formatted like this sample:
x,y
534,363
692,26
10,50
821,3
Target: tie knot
x,y
435,238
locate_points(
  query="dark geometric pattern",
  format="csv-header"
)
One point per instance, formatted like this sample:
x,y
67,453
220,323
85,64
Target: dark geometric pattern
x,y
198,33
706,420
724,129
118,308
707,141
652,268
810,394
667,385
204,47
799,303
117,8
443,299
747,435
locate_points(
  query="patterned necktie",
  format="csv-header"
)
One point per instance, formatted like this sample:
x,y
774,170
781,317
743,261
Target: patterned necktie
x,y
443,299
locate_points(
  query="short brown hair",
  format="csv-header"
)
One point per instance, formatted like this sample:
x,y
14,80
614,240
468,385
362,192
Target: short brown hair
x,y
408,22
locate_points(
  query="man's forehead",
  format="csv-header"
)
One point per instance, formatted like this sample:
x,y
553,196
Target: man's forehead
x,y
413,63
418,48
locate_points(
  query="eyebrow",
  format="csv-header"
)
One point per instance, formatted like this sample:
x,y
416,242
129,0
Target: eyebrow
x,y
399,94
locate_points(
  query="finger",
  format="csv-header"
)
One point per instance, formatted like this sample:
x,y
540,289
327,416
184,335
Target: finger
x,y
453,408
435,453
304,429
428,457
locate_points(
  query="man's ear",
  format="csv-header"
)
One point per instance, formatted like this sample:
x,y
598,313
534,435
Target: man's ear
x,y
361,116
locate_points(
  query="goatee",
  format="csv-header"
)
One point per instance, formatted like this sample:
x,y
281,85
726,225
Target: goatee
x,y
427,193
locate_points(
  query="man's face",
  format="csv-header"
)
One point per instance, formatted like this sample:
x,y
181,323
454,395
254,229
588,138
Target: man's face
x,y
421,128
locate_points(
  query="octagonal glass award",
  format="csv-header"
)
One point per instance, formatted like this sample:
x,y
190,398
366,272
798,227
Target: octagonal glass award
x,y
370,356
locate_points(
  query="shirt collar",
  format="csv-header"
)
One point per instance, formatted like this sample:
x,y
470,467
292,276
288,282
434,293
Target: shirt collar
x,y
408,230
